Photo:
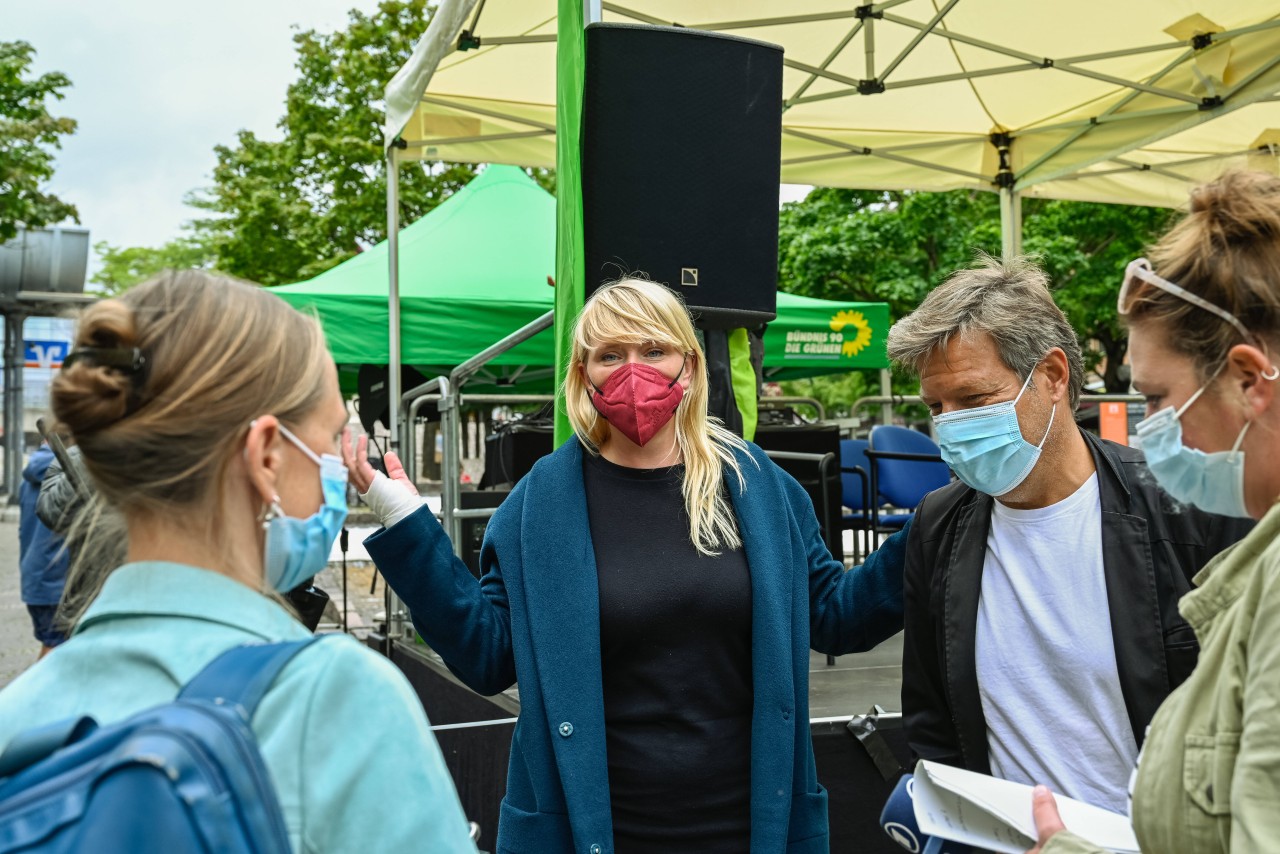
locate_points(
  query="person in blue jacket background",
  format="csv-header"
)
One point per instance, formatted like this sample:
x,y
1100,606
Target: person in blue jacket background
x,y
42,557
655,587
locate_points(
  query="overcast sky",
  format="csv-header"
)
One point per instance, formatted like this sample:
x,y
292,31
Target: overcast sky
x,y
155,85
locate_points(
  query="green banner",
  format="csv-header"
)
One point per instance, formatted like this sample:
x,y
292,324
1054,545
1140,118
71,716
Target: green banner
x,y
812,336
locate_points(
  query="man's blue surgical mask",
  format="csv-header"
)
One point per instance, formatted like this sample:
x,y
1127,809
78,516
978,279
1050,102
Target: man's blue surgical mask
x,y
985,448
1213,482
297,549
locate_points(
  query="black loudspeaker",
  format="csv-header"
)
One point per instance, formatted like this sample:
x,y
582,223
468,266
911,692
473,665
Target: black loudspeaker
x,y
823,486
681,148
512,450
373,402
473,529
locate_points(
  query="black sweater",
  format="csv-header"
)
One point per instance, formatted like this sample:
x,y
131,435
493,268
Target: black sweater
x,y
675,641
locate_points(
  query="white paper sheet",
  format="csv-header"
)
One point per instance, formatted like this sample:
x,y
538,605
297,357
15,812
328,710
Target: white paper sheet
x,y
980,810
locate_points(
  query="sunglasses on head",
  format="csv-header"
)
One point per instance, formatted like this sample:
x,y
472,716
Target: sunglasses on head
x,y
1139,273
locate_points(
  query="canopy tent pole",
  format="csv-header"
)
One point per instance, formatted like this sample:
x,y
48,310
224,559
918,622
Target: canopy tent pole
x,y
886,391
402,96
1010,222
1010,198
393,296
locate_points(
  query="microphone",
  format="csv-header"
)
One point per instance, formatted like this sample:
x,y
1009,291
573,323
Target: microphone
x,y
898,818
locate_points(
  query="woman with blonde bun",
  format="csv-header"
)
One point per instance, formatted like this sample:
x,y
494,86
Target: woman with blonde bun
x,y
1204,346
208,415
655,586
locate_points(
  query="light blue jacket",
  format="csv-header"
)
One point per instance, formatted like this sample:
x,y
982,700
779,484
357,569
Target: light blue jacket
x,y
535,617
341,731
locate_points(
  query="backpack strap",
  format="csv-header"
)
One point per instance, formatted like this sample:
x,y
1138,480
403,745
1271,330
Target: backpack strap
x,y
242,675
29,747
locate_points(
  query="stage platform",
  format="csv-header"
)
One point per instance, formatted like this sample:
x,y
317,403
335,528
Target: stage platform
x,y
475,735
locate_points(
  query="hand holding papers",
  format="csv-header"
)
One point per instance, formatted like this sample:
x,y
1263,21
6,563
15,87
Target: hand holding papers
x,y
974,809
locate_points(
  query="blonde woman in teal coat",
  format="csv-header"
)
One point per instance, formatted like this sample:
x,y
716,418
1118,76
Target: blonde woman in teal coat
x,y
655,586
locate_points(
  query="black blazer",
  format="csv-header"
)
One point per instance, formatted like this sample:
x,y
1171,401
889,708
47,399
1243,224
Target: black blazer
x,y
1151,548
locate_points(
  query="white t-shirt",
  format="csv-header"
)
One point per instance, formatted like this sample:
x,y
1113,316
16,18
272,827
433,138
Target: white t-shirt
x,y
1046,656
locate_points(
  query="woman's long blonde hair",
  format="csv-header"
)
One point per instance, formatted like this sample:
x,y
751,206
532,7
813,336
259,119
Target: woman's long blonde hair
x,y
637,311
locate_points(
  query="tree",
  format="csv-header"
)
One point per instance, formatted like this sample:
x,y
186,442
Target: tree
x,y
897,246
284,210
29,135
288,210
889,247
1085,248
122,268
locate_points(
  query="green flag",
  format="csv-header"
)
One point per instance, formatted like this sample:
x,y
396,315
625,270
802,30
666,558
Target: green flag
x,y
570,261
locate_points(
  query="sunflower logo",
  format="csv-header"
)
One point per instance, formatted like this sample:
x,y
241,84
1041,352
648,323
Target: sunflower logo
x,y
862,330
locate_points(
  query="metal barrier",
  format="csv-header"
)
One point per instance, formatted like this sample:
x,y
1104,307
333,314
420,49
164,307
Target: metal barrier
x,y
783,402
446,391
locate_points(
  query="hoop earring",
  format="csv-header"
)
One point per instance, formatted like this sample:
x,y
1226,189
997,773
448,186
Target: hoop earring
x,y
1271,375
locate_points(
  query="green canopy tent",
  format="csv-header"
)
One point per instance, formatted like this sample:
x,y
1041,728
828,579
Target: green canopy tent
x,y
476,268
473,270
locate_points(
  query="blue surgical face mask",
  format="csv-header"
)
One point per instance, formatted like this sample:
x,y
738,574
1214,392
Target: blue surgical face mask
x,y
1213,482
297,549
985,448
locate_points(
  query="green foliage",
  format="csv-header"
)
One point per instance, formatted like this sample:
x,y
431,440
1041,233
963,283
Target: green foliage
x,y
895,247
890,247
122,268
282,211
29,135
837,392
1085,247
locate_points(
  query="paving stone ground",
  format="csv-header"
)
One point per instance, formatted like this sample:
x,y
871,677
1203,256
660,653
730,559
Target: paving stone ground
x,y
18,647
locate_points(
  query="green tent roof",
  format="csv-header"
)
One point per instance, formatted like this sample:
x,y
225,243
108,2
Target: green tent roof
x,y
472,271
475,269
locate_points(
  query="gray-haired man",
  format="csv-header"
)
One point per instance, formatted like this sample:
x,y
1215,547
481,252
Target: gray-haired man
x,y
1042,628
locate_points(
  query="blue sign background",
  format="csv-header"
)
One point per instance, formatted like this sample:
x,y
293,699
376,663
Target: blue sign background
x,y
46,354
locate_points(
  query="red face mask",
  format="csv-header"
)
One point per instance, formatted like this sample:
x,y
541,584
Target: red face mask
x,y
638,400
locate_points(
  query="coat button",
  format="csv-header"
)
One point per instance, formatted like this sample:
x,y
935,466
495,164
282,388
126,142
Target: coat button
x,y
566,730
595,849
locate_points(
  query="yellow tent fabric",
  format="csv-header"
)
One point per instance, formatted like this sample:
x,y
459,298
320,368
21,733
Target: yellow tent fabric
x,y
1096,100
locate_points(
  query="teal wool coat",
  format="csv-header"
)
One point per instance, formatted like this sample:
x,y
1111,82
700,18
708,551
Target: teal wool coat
x,y
535,617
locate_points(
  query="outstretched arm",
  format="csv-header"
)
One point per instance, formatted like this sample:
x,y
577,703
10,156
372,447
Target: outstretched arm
x,y
467,623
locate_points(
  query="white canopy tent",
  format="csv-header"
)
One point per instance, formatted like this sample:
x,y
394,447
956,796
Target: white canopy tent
x,y
1090,100
1094,100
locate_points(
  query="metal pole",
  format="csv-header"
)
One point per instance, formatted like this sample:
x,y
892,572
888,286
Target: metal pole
x,y
397,625
13,364
450,465
886,391
393,296
1010,222
590,12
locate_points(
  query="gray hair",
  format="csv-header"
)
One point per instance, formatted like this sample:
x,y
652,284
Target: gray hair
x,y
1006,298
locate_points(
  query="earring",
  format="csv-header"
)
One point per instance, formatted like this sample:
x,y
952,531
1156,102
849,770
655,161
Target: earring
x,y
1271,375
270,511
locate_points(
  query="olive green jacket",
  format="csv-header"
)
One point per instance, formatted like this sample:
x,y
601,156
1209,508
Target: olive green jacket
x,y
1209,776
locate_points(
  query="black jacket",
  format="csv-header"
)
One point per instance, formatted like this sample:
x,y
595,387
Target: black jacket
x,y
1151,548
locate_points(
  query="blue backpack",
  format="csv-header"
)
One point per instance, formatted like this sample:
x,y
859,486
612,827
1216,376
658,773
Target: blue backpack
x,y
182,777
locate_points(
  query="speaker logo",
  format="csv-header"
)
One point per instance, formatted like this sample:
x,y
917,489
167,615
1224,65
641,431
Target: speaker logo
x,y
689,277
